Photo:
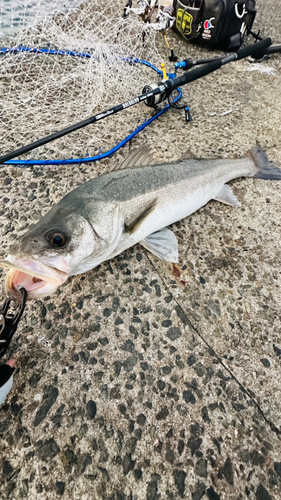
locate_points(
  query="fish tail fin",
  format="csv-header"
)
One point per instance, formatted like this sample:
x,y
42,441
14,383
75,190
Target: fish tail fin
x,y
265,169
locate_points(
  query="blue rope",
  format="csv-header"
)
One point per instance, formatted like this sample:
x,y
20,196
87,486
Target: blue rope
x,y
22,48
71,161
73,53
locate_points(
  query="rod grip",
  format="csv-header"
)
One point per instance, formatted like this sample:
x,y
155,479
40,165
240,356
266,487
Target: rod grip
x,y
192,75
256,48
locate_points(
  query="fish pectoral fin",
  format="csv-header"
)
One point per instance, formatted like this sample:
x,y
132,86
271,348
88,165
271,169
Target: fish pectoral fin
x,y
226,195
140,218
163,244
137,158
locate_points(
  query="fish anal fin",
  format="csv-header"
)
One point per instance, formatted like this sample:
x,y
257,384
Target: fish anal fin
x,y
139,157
188,155
226,195
163,244
140,218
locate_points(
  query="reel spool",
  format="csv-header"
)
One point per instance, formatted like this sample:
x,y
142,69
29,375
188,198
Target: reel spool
x,y
154,100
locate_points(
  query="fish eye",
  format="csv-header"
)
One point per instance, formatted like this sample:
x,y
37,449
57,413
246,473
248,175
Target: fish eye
x,y
56,238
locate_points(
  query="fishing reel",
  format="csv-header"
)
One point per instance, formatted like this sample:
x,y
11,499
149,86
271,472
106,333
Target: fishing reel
x,y
141,10
164,90
164,20
144,9
154,99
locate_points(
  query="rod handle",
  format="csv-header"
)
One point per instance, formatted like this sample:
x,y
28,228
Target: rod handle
x,y
254,49
190,76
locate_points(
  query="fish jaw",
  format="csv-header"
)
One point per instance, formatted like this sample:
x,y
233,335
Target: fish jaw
x,y
38,279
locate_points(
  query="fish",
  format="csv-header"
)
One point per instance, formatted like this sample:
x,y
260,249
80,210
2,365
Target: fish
x,y
133,203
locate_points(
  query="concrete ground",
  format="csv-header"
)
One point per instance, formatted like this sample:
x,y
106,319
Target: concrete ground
x,y
144,380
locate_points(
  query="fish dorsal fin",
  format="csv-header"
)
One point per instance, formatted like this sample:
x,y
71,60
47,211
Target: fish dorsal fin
x,y
188,155
163,244
140,218
226,195
137,158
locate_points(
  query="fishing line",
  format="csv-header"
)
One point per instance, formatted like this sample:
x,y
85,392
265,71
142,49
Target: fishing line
x,y
187,322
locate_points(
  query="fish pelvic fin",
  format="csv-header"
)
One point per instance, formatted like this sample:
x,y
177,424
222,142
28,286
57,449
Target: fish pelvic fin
x,y
265,169
137,222
137,158
226,195
163,244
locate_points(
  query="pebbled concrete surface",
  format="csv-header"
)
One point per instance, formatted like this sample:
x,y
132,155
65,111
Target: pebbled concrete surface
x,y
144,380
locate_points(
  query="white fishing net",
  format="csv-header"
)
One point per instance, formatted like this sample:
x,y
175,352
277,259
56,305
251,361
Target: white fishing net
x,y
42,93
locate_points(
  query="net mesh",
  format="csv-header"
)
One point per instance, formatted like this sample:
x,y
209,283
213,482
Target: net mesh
x,y
43,93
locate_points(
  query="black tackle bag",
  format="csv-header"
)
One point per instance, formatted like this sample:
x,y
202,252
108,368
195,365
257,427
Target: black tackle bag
x,y
217,24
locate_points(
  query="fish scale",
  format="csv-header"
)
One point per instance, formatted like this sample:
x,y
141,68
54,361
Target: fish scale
x,y
123,185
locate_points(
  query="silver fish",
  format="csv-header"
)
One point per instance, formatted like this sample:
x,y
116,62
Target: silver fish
x,y
132,204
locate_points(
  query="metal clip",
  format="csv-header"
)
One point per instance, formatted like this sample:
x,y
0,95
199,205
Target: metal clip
x,y
9,322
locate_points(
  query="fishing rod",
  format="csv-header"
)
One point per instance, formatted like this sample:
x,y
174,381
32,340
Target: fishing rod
x,y
271,50
187,64
102,154
152,96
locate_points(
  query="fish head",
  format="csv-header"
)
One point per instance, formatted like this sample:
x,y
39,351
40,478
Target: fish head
x,y
70,239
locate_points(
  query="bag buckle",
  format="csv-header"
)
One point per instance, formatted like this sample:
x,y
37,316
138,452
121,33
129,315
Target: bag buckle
x,y
9,321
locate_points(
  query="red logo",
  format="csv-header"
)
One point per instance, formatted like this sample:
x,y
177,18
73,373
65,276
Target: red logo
x,y
208,23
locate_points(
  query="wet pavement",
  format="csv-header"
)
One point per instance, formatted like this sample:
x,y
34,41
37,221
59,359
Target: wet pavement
x,y
144,380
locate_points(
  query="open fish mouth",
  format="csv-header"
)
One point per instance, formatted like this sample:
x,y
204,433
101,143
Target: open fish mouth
x,y
38,279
